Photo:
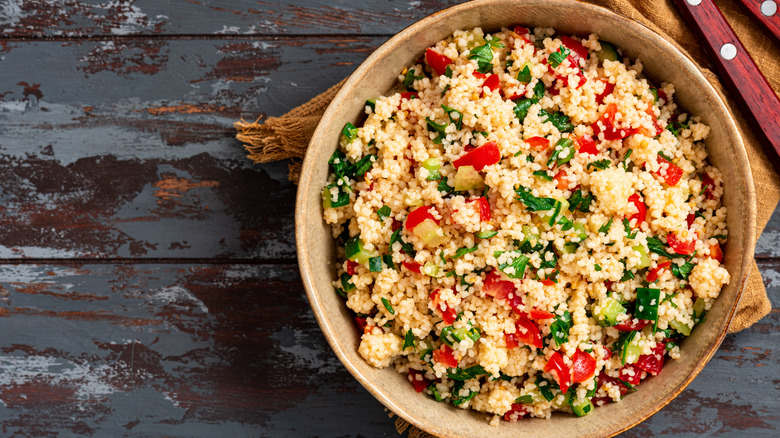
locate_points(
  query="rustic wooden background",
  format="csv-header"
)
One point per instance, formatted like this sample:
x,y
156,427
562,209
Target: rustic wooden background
x,y
148,283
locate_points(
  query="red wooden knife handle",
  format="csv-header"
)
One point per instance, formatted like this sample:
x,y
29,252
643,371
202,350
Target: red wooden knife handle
x,y
736,67
767,13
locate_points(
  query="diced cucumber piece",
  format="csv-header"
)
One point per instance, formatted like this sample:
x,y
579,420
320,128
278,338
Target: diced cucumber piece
x,y
608,51
556,213
354,251
430,233
643,256
432,165
680,327
698,307
326,197
606,314
531,241
570,247
654,92
582,408
468,179
371,103
485,234
631,350
579,228
431,270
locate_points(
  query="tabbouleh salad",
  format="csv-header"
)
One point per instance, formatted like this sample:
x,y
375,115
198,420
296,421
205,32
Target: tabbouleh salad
x,y
528,225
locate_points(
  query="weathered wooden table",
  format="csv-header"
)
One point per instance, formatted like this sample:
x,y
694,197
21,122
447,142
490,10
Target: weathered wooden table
x,y
149,283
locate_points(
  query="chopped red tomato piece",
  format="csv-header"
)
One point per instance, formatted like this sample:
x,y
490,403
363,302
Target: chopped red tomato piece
x,y
447,313
437,61
641,213
680,246
418,380
484,208
361,323
480,157
503,290
540,314
672,174
516,412
653,362
561,180
523,33
583,366
408,95
558,368
576,47
608,89
652,275
632,324
610,131
587,145
604,379
492,82
445,356
716,253
511,341
418,215
707,184
528,332
479,75
351,267
412,266
548,282
631,374
662,95
538,143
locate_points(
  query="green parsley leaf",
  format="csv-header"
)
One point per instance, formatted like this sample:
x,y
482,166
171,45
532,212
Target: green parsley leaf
x,y
349,132
599,165
438,128
524,75
521,108
463,251
457,120
409,79
647,301
408,340
560,120
559,329
388,306
383,212
532,203
518,263
556,58
542,174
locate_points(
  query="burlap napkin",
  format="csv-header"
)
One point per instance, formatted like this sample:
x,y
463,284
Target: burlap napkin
x,y
287,137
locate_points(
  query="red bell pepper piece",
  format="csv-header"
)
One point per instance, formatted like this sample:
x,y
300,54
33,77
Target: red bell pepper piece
x,y
351,267
516,412
445,356
502,290
480,157
558,368
608,89
641,213
587,145
653,362
447,313
716,253
561,181
484,208
492,82
418,380
538,143
610,131
583,366
539,315
631,374
575,46
673,172
632,324
652,275
680,246
412,266
708,184
418,215
408,95
361,323
437,61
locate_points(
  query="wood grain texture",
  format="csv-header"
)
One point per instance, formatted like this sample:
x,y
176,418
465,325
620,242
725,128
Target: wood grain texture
x,y
89,18
148,284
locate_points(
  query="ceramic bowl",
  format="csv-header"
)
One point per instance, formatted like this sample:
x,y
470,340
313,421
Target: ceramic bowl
x,y
663,61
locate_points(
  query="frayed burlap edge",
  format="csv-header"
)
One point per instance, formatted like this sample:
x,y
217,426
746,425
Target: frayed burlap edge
x,y
285,137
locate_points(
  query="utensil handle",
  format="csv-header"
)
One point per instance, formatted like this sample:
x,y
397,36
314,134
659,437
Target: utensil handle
x,y
767,13
736,67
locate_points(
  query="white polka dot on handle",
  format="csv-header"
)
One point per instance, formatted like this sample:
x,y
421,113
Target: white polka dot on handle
x,y
728,51
769,8
694,2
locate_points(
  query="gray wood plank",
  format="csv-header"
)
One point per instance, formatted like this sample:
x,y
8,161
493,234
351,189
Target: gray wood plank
x,y
126,149
82,18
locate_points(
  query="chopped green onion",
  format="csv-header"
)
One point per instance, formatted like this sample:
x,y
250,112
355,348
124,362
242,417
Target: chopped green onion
x,y
348,287
388,306
349,132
